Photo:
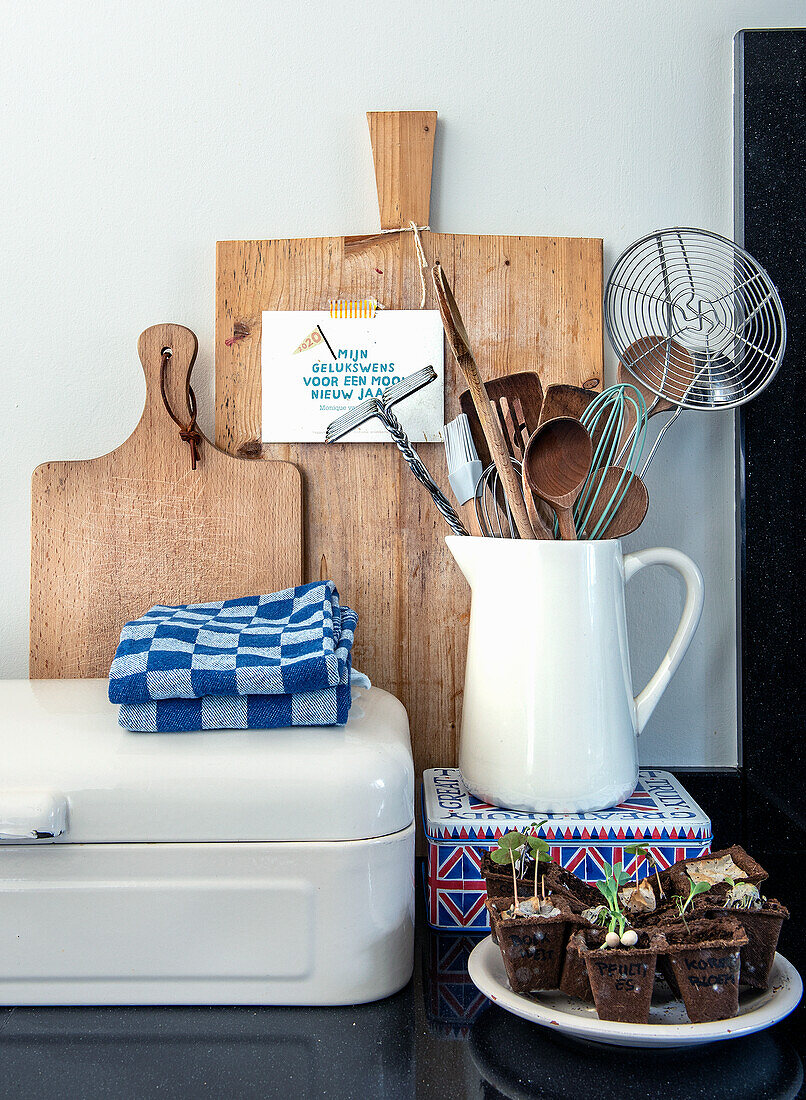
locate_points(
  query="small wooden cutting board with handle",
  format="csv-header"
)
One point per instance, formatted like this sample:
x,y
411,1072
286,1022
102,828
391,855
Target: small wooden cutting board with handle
x,y
112,536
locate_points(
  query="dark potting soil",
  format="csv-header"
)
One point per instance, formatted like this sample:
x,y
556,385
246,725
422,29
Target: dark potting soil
x,y
701,961
580,893
498,880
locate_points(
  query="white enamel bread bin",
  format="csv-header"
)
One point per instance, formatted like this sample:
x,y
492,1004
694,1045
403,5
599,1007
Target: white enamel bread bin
x,y
224,867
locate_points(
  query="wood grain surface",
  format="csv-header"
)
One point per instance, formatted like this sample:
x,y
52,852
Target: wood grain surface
x,y
529,303
112,536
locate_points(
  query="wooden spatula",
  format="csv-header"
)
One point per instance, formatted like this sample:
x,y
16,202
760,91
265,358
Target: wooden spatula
x,y
524,388
684,375
459,344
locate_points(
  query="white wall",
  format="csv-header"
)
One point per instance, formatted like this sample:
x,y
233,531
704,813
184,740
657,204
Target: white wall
x,y
135,134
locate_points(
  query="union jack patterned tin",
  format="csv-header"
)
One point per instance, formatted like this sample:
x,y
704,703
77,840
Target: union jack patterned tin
x,y
452,1001
460,828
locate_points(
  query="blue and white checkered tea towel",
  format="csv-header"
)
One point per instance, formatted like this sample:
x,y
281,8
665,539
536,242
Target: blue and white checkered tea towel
x,y
328,707
289,643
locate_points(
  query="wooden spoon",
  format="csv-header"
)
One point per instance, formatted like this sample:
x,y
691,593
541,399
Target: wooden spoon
x,y
634,502
459,345
564,400
683,377
647,352
556,462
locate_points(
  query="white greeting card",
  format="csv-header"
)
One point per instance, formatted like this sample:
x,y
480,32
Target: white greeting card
x,y
315,367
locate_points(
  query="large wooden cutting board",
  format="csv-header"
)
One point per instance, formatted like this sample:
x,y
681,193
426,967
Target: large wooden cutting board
x,y
113,535
528,302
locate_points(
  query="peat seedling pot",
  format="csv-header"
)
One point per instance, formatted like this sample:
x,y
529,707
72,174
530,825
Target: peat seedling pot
x,y
574,980
762,926
532,947
729,863
622,978
701,962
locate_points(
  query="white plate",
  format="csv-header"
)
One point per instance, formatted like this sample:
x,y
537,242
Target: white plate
x,y
668,1026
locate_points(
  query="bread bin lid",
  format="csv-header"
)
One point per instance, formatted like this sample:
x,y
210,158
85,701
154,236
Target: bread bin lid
x,y
71,774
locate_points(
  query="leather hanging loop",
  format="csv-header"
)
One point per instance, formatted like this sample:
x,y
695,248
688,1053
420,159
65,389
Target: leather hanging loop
x,y
188,433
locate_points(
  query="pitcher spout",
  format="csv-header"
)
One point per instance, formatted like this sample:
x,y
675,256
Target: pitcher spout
x,y
466,552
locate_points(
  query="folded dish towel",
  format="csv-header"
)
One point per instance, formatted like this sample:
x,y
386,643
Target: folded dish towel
x,y
255,662
329,707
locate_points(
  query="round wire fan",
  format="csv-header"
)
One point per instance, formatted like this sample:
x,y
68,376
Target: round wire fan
x,y
695,318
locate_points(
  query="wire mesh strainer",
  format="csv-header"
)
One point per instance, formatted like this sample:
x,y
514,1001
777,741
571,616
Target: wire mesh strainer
x,y
709,296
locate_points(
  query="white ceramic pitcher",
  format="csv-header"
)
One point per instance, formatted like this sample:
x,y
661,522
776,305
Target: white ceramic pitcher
x,y
549,722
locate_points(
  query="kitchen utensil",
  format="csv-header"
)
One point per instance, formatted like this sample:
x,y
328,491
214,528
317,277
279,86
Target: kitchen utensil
x,y
565,400
459,345
542,525
492,508
552,615
654,404
668,1026
716,307
620,503
516,436
647,346
112,536
517,427
378,406
607,419
464,467
382,408
523,386
556,464
530,303
700,364
712,302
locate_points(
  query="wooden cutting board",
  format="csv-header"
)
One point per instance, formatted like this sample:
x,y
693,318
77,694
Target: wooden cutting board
x,y
529,303
112,536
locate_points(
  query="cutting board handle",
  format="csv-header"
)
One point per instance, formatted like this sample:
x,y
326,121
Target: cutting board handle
x,y
184,346
403,152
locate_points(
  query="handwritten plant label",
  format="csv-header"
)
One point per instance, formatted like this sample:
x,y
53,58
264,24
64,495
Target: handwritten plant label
x,y
315,368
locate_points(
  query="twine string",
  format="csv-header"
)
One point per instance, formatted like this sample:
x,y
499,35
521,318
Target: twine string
x,y
412,227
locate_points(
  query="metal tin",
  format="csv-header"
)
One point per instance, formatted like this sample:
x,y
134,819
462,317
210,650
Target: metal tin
x,y
460,828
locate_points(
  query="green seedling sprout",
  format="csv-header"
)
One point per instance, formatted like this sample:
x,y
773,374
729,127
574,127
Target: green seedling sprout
x,y
615,878
696,889
540,853
508,845
644,850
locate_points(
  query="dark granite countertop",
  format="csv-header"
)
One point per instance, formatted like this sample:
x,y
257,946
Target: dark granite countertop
x,y
436,1038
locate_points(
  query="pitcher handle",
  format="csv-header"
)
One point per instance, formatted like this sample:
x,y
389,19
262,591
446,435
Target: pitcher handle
x,y
649,698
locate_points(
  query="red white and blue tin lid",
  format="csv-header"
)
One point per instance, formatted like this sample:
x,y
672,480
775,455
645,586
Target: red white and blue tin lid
x,y
659,809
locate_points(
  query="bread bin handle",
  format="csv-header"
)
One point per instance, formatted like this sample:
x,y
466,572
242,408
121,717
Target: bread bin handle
x,y
34,815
